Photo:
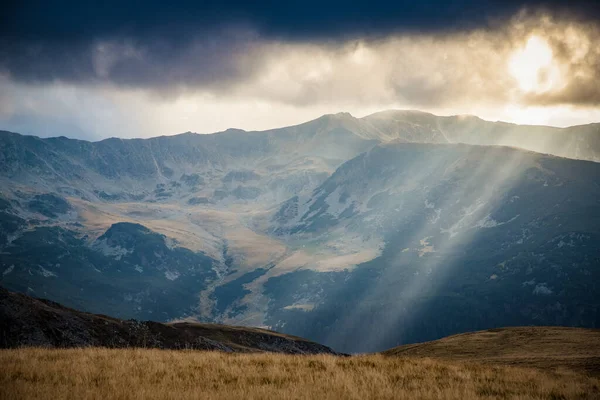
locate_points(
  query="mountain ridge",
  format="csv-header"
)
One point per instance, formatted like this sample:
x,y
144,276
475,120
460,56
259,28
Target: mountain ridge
x,y
338,114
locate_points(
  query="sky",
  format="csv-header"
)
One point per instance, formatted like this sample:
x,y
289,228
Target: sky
x,y
98,69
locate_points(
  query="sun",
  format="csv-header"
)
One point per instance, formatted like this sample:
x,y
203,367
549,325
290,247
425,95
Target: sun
x,y
533,66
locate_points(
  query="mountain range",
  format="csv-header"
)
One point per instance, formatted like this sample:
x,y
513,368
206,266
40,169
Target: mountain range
x,y
359,233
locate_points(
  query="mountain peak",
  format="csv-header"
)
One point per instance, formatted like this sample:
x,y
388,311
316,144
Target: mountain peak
x,y
234,130
343,114
340,116
396,113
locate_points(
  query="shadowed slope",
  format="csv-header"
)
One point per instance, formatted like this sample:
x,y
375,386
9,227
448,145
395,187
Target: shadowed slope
x,y
470,238
26,321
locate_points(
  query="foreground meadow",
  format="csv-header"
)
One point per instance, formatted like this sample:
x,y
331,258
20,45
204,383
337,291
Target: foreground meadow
x,y
95,373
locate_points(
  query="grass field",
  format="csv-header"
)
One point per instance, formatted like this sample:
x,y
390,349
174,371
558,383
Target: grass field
x,y
540,347
95,373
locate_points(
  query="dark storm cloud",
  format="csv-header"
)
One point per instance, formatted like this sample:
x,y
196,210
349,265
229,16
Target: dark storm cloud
x,y
192,43
149,61
297,52
288,19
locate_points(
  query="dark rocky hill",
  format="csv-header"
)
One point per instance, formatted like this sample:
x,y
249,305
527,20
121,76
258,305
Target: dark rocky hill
x,y
27,321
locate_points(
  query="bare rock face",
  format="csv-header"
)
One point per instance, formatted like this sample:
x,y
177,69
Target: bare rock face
x,y
27,321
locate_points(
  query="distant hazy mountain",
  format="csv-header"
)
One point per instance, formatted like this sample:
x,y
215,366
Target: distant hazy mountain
x,y
116,169
398,227
580,142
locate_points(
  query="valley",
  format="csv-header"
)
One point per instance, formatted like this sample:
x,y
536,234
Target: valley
x,y
361,234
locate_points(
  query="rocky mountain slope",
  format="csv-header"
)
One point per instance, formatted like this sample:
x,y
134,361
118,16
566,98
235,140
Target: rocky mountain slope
x,y
237,165
129,270
27,321
469,238
359,233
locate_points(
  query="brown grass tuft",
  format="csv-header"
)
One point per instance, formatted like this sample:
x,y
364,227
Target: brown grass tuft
x,y
95,373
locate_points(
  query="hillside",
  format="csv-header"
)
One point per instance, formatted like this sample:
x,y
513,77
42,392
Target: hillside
x,y
57,352
537,347
467,238
359,233
26,321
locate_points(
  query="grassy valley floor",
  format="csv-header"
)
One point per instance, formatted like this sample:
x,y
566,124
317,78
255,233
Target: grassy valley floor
x,y
97,373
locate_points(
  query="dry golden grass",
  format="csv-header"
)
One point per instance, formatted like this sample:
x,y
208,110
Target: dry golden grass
x,y
31,373
542,347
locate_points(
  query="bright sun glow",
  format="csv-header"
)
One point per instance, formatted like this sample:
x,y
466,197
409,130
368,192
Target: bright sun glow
x,y
533,66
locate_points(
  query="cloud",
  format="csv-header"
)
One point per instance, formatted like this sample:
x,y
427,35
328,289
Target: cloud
x,y
577,56
580,91
307,19
134,71
194,43
435,70
242,53
209,61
